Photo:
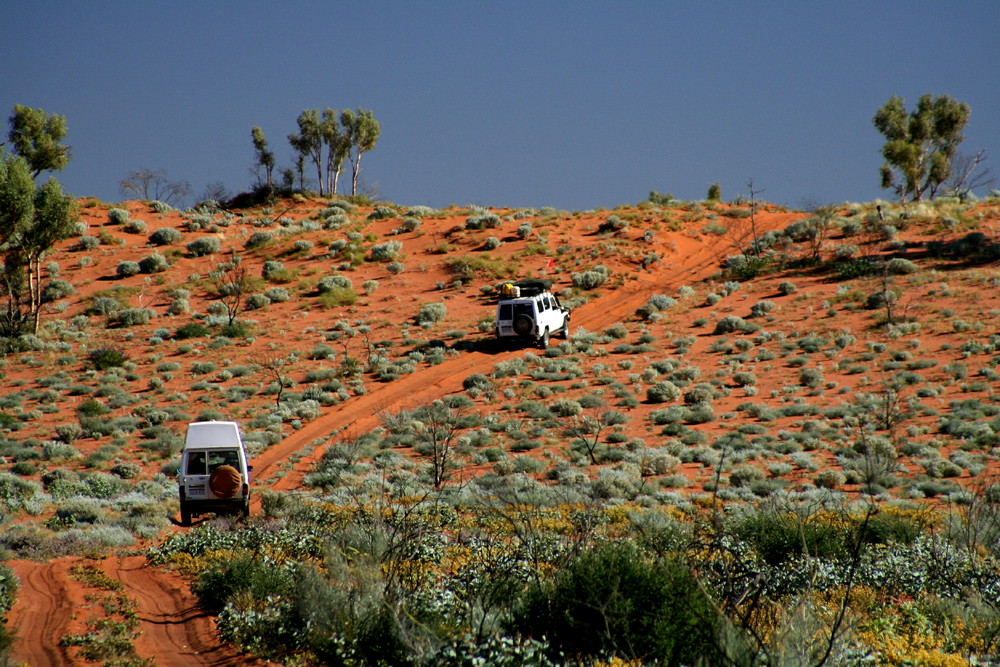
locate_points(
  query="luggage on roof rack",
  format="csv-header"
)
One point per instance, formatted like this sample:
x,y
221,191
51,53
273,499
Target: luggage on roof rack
x,y
524,287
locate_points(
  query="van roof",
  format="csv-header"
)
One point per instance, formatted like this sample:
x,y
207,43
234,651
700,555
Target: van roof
x,y
203,435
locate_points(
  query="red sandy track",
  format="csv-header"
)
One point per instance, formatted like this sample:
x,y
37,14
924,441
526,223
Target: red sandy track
x,y
174,632
697,260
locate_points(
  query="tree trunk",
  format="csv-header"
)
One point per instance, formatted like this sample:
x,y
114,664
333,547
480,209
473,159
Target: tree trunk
x,y
354,175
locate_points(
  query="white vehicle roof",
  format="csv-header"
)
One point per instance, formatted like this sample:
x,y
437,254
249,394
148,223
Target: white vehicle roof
x,y
205,435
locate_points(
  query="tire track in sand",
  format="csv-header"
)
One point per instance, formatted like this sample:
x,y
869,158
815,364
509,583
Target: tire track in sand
x,y
361,413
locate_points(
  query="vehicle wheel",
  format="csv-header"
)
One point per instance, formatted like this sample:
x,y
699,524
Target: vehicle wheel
x,y
185,515
564,332
245,510
544,340
523,325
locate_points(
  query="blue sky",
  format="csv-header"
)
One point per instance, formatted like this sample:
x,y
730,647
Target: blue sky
x,y
576,105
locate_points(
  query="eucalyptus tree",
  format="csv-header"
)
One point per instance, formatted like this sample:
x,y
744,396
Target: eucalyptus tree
x,y
36,136
264,155
920,145
364,131
308,141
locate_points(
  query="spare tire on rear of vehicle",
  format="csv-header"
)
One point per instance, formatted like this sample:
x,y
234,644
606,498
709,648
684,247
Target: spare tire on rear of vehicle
x,y
225,481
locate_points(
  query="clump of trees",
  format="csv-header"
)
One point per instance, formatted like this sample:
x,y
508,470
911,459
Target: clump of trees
x,y
325,140
33,217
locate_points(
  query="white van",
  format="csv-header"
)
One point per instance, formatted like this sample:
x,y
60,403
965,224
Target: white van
x,y
214,474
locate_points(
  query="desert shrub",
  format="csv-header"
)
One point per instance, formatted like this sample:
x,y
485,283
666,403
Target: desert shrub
x,y
273,269
103,358
334,282
370,286
761,308
420,211
130,317
612,224
89,242
192,330
745,475
857,267
492,243
258,239
744,379
410,224
880,299
57,289
126,470
303,245
127,268
154,263
662,392
899,266
483,221
338,296
165,236
785,288
431,313
590,279
206,245
134,227
524,230
386,251
829,479
477,381
382,212
277,294
118,216
257,301
731,323
615,601
395,268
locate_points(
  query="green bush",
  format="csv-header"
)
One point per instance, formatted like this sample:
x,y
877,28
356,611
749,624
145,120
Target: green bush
x,y
662,392
104,358
155,263
206,245
785,288
382,212
130,317
127,268
191,330
258,239
118,216
335,282
134,227
277,294
165,236
590,279
431,313
57,289
613,601
386,251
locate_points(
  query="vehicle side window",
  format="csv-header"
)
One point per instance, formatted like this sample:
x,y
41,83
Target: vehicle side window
x,y
506,311
196,464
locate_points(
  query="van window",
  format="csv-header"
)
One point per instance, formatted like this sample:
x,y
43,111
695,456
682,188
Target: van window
x,y
196,464
226,457
505,311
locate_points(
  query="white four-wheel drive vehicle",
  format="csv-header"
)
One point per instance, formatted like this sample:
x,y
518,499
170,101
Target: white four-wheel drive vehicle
x,y
528,311
214,474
